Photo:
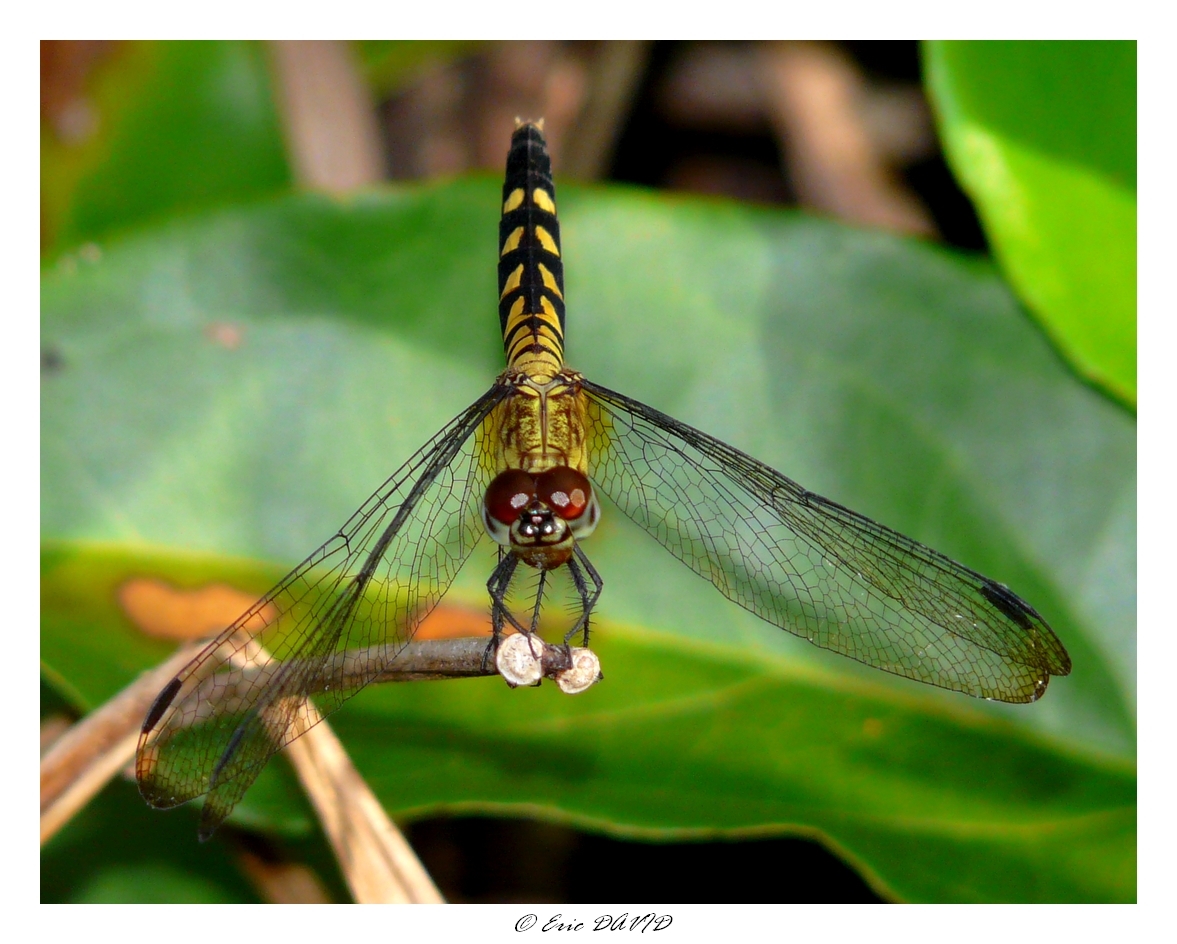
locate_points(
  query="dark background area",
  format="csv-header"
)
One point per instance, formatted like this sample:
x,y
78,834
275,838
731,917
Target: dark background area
x,y
503,860
740,156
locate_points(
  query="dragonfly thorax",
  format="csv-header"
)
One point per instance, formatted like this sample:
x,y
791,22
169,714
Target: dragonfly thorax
x,y
540,516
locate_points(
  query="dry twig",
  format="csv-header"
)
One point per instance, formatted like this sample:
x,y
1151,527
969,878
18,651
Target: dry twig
x,y
332,135
812,94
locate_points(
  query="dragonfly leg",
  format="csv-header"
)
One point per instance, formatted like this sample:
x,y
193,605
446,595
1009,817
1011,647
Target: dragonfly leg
x,y
500,580
539,599
498,585
500,613
588,597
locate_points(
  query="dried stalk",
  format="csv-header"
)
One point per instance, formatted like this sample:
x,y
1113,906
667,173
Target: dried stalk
x,y
812,93
332,136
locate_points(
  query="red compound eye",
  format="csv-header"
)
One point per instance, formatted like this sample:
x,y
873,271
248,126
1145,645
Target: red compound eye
x,y
565,491
509,494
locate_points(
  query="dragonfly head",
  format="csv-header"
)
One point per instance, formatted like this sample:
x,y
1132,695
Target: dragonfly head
x,y
540,517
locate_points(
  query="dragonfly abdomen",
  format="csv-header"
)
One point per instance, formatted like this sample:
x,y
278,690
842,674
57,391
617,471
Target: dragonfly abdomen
x,y
531,273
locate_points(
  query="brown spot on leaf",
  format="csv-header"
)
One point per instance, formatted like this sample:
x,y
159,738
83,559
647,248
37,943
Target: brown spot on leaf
x,y
225,335
168,612
454,621
51,360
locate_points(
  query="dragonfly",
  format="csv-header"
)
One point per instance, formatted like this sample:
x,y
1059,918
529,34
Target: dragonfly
x,y
526,465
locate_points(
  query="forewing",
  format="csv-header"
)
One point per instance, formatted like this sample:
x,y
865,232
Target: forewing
x,y
363,593
810,566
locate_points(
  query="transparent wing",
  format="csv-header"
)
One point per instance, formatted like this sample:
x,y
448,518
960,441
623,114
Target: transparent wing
x,y
363,593
813,567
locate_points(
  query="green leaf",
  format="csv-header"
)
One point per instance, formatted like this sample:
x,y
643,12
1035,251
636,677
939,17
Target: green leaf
x,y
228,390
1042,135
180,126
143,858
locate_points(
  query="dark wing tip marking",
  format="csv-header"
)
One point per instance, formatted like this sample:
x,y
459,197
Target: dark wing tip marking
x,y
1030,620
1009,603
230,750
160,705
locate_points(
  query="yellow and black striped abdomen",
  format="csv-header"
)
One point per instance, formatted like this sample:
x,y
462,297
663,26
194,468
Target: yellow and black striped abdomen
x,y
531,273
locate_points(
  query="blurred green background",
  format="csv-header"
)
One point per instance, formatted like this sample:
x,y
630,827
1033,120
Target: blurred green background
x,y
241,339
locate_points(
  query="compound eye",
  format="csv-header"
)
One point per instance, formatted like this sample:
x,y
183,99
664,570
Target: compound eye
x,y
509,494
565,491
